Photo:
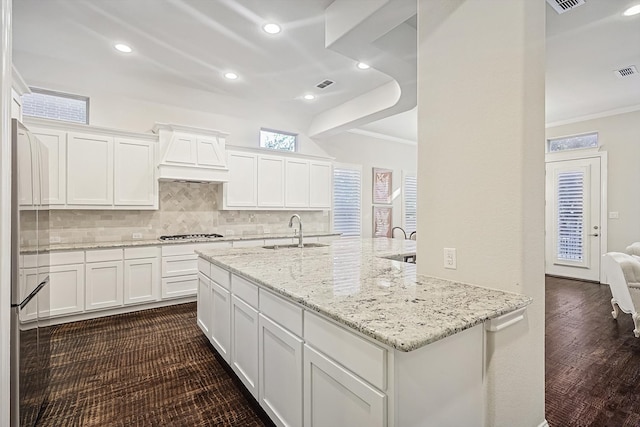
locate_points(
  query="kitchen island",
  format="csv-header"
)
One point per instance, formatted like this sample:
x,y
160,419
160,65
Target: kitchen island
x,y
342,335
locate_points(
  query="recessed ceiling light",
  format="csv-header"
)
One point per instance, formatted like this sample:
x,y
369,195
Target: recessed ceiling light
x,y
633,10
123,48
230,76
271,28
363,66
309,97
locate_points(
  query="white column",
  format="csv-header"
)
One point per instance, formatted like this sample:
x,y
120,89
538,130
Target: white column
x,y
481,175
5,206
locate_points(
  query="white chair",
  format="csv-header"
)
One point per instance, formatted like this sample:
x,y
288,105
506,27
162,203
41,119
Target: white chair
x,y
622,273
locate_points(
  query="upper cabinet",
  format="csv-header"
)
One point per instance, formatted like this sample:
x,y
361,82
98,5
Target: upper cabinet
x,y
192,154
260,181
95,168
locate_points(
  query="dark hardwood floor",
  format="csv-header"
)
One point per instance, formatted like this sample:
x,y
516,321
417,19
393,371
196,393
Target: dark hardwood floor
x,y
150,368
592,360
155,368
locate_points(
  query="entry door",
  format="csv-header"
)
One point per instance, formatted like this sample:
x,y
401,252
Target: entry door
x,y
573,229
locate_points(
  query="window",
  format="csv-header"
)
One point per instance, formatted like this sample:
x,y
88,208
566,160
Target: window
x,y
347,194
570,220
410,203
278,140
56,105
575,142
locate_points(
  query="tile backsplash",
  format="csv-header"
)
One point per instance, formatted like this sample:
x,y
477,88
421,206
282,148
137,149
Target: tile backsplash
x,y
184,208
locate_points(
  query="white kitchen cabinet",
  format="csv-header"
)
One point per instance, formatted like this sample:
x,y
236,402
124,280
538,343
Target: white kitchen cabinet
x,y
89,169
211,151
141,280
66,289
270,181
320,174
221,320
56,143
16,105
203,313
27,183
297,183
135,180
104,285
241,190
280,373
29,280
244,343
334,396
179,286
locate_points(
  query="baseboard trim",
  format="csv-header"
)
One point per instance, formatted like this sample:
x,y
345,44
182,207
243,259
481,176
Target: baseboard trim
x,y
544,424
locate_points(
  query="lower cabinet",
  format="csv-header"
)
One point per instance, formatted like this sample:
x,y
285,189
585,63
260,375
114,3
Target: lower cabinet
x,y
204,305
66,289
334,396
280,373
104,285
244,343
221,320
141,280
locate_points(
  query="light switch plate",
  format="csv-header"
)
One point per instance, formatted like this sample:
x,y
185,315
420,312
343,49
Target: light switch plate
x,y
450,258
614,215
136,235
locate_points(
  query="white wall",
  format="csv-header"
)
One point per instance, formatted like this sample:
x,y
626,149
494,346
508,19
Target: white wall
x,y
372,152
481,176
619,136
135,103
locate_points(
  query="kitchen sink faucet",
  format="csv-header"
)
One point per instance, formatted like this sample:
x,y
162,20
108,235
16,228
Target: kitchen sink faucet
x,y
300,245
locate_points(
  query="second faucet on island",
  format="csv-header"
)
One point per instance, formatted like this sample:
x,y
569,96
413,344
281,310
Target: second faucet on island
x,y
300,245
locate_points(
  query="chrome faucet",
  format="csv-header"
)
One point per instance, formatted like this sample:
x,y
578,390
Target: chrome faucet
x,y
300,245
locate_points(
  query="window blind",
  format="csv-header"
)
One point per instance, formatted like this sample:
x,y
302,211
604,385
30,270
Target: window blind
x,y
410,193
570,217
347,190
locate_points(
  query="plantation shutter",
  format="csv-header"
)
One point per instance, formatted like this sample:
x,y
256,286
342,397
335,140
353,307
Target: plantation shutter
x,y
410,204
347,216
570,226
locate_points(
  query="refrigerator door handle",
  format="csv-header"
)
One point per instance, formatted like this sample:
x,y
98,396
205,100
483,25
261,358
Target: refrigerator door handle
x,y
33,293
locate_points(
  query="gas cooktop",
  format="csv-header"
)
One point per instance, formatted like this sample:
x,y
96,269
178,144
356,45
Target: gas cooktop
x,y
190,236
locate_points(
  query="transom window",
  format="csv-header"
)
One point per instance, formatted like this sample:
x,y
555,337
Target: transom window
x,y
575,142
278,140
52,105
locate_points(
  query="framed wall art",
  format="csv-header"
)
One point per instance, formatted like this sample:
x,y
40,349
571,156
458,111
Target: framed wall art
x,y
382,221
382,186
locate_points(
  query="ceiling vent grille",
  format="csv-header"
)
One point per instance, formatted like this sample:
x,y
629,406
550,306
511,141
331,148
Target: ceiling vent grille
x,y
631,70
562,6
324,84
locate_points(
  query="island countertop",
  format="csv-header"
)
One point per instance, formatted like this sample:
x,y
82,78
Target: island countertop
x,y
350,281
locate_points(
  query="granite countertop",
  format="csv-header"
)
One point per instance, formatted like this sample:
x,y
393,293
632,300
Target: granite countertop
x,y
351,282
155,242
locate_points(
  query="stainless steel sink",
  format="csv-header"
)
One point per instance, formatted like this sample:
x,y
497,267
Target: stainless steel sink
x,y
295,245
402,258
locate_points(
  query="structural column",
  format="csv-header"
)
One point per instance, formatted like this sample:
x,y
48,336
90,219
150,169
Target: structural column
x,y
481,176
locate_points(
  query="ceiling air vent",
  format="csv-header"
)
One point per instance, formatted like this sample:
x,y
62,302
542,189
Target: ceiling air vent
x,y
562,6
631,70
324,84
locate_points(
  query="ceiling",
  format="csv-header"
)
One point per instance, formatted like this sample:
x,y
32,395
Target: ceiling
x,y
192,43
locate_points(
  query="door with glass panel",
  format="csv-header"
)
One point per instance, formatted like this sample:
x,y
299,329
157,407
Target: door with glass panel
x,y
573,229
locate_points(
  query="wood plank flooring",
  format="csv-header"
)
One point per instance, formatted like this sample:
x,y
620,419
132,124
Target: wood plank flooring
x,y
155,368
150,368
592,360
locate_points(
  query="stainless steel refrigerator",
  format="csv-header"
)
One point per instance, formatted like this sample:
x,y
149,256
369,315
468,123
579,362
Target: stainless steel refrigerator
x,y
30,332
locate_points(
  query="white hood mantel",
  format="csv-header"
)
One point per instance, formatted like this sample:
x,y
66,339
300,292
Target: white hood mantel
x,y
191,154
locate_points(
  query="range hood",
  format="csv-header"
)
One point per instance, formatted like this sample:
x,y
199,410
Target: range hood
x,y
191,154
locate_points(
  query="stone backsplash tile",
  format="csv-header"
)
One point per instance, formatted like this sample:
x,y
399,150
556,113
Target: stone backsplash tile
x,y
184,208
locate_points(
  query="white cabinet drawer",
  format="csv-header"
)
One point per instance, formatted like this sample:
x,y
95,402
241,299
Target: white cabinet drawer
x,y
204,267
143,252
64,258
221,276
245,290
180,286
354,353
282,312
104,255
180,249
179,265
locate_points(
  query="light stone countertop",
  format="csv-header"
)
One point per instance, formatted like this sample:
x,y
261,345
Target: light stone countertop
x,y
350,282
155,242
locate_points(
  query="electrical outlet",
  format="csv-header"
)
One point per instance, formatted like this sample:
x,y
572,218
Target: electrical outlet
x,y
136,235
614,215
266,231
54,239
229,233
450,259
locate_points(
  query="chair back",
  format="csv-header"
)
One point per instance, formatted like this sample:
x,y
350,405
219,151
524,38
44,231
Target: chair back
x,y
398,233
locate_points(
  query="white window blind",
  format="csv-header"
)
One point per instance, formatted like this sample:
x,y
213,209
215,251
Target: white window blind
x,y
570,217
347,190
410,195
